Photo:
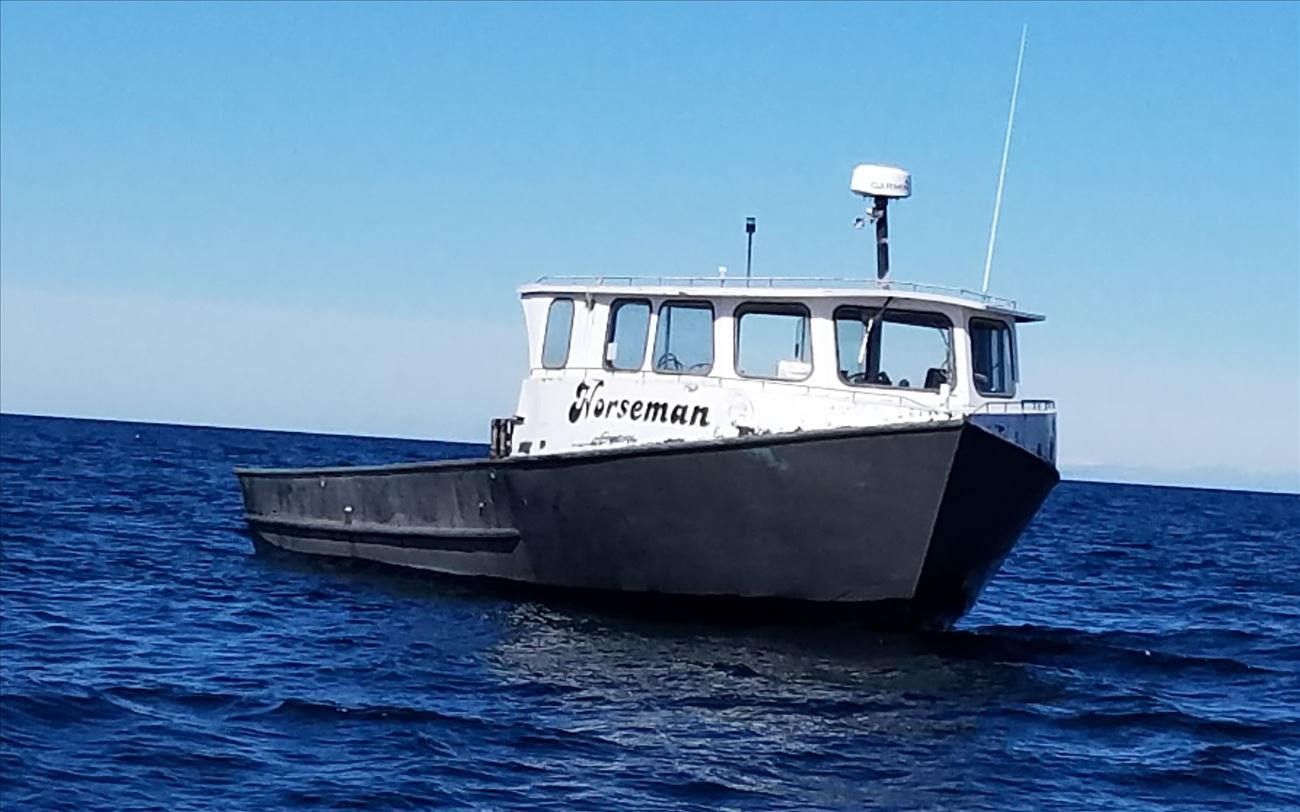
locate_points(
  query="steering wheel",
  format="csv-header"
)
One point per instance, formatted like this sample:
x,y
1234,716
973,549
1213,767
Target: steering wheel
x,y
669,362
880,377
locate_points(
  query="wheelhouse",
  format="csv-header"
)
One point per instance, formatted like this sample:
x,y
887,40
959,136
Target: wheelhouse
x,y
897,339
626,361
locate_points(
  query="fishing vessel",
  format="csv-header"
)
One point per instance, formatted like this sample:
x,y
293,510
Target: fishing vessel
x,y
857,445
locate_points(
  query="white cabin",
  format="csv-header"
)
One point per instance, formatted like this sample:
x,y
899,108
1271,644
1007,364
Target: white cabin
x,y
618,361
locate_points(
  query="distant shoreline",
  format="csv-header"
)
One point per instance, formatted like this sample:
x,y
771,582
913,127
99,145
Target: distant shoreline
x,y
215,427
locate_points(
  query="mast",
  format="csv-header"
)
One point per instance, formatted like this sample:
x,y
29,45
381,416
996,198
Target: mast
x,y
881,184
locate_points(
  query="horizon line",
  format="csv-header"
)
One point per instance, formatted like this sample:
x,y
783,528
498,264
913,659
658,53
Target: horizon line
x,y
1295,491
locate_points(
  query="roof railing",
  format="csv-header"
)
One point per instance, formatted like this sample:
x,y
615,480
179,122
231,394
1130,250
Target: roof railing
x,y
1026,406
776,282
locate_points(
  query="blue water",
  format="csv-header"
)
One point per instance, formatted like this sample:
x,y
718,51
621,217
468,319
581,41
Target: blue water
x,y
1140,650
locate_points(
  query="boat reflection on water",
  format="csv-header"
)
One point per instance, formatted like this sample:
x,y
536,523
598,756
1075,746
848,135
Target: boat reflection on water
x,y
817,714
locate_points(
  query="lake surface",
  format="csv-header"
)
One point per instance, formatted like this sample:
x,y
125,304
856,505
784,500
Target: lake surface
x,y
1140,650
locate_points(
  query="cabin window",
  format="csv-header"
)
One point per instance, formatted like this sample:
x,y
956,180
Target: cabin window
x,y
898,348
684,338
559,326
772,341
629,326
992,357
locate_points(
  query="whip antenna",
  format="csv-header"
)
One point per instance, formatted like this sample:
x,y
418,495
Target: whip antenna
x,y
1002,173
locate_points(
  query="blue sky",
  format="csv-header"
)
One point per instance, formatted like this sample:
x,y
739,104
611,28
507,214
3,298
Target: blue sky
x,y
314,216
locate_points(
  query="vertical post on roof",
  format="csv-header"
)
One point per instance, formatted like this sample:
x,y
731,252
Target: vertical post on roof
x,y
750,227
882,237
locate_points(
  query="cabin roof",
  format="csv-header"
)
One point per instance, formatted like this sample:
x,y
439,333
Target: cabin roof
x,y
775,288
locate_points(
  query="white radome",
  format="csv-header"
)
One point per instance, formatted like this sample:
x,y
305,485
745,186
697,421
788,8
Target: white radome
x,y
870,180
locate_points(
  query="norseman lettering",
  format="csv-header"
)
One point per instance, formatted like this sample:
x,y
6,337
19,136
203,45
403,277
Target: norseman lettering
x,y
587,404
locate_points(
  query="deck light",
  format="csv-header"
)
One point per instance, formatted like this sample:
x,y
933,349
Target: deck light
x,y
750,227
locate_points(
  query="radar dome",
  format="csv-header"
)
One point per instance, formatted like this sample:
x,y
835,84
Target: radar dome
x,y
870,180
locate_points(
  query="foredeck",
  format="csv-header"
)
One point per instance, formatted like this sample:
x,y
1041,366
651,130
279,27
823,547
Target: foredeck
x,y
776,287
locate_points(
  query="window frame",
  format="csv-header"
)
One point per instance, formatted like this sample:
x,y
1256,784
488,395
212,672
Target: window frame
x,y
952,355
1013,372
568,339
689,304
775,309
610,323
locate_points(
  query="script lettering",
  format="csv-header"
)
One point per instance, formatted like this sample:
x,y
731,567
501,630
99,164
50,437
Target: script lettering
x,y
587,404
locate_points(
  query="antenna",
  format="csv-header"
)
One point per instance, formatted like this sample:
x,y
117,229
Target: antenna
x,y
1002,173
750,227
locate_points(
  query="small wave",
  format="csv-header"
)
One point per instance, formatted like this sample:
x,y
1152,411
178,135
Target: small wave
x,y
1110,649
57,707
1237,729
712,791
317,711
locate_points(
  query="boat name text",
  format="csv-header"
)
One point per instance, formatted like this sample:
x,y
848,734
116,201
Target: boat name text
x,y
586,404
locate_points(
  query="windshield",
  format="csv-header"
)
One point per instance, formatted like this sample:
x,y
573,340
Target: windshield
x,y
896,348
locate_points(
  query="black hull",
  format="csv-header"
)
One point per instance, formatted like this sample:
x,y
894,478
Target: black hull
x,y
903,523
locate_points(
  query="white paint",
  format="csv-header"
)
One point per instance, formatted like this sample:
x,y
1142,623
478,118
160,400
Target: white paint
x,y
587,405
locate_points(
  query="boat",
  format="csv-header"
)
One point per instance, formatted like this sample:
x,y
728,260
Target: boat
x,y
856,447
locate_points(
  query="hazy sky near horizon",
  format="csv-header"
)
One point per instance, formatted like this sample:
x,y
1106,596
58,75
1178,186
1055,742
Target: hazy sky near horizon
x,y
314,216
